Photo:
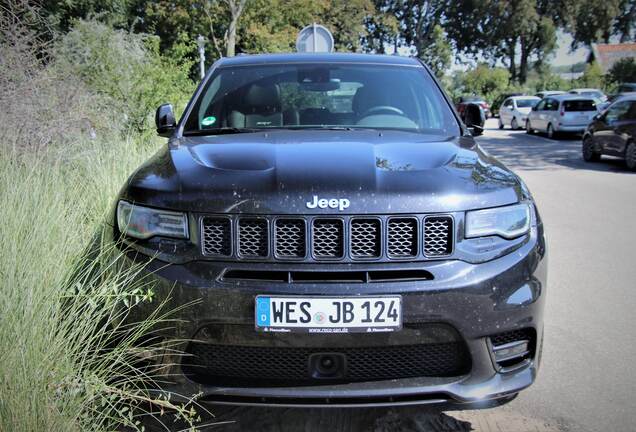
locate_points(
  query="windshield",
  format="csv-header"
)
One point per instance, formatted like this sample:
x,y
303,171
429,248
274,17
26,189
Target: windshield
x,y
298,96
579,105
526,103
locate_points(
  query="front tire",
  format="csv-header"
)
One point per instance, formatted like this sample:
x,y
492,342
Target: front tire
x,y
589,154
513,124
550,131
630,156
529,129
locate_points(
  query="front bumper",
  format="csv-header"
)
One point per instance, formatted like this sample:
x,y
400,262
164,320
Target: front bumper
x,y
477,300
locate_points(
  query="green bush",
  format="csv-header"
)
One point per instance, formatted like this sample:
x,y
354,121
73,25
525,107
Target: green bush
x,y
623,71
127,68
67,360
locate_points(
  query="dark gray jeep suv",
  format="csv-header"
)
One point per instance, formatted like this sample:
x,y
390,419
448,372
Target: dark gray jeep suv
x,y
345,239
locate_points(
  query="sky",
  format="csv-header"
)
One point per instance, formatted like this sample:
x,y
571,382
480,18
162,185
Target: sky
x,y
563,55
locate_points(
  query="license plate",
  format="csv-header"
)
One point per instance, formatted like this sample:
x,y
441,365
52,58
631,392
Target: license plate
x,y
328,314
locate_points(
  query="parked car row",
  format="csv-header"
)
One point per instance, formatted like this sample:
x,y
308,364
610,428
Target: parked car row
x,y
608,126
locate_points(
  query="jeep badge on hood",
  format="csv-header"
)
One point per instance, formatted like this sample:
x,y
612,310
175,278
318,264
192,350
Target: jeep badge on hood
x,y
339,203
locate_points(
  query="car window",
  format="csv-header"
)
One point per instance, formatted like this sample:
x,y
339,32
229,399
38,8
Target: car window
x,y
526,103
579,105
551,105
508,103
541,105
321,95
617,111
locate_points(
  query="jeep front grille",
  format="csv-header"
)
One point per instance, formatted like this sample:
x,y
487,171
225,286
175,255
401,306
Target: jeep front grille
x,y
437,235
317,238
327,238
253,238
217,236
366,238
402,237
290,238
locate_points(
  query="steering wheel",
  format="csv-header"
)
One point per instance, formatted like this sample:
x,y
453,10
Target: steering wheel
x,y
386,108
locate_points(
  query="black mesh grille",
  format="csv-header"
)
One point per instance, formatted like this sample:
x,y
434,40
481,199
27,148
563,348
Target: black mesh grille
x,y
512,336
216,236
402,237
236,365
438,235
290,238
366,238
253,237
328,238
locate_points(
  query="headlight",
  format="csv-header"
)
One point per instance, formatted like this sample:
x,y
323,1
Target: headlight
x,y
508,222
143,222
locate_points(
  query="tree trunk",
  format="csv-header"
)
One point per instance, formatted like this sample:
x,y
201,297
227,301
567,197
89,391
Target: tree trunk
x,y
512,67
236,9
523,62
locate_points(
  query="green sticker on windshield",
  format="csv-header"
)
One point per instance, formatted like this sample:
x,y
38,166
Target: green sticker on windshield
x,y
207,121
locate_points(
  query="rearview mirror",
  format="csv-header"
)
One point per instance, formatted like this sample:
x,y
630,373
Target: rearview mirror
x,y
474,118
165,120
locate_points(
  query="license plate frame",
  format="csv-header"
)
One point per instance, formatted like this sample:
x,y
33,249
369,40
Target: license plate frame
x,y
323,324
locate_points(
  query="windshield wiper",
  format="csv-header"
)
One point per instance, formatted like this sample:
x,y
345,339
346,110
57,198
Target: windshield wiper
x,y
221,131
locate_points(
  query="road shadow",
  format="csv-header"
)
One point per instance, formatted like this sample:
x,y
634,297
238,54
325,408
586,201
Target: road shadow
x,y
520,151
408,419
438,418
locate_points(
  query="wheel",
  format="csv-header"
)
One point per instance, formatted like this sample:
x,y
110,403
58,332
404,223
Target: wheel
x,y
501,125
589,155
630,156
513,124
550,131
529,129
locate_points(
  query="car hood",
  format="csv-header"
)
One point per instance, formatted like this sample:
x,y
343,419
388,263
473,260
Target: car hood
x,y
278,172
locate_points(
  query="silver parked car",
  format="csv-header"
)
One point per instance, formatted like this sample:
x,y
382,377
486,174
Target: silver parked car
x,y
589,92
563,113
546,93
514,111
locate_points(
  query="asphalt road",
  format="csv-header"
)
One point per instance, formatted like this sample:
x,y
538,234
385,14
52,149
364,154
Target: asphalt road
x,y
588,377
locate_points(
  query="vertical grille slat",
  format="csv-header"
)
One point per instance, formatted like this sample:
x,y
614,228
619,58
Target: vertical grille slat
x,y
366,238
216,236
402,237
328,238
253,238
290,238
438,236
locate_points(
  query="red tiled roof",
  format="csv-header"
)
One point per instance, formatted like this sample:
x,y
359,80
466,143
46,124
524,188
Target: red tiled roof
x,y
608,54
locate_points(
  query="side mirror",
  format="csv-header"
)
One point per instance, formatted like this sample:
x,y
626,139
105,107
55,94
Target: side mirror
x,y
534,108
165,120
474,117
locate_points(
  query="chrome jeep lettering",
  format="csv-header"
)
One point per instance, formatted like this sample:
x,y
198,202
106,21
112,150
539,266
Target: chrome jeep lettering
x,y
323,203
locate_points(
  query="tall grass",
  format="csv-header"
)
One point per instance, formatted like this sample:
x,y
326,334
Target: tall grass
x,y
66,360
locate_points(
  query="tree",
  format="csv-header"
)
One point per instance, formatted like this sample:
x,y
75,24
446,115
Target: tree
x,y
236,9
485,81
590,21
419,28
623,71
509,30
437,52
592,77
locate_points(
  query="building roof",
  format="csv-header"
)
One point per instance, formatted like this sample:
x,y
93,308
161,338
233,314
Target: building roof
x,y
608,54
254,59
